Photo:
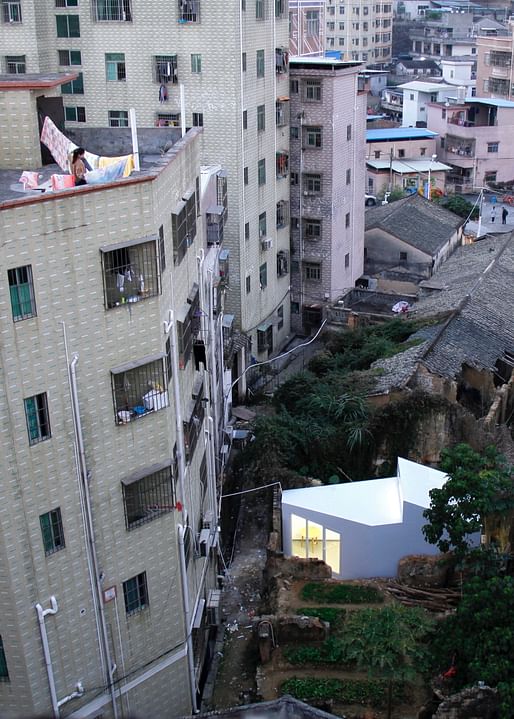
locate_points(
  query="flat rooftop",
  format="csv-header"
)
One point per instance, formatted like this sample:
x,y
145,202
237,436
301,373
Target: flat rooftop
x,y
383,134
155,152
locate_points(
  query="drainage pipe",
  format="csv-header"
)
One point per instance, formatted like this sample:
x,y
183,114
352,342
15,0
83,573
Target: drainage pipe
x,y
187,617
41,614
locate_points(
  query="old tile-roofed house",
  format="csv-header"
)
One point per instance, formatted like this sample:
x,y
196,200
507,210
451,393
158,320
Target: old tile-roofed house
x,y
284,708
413,233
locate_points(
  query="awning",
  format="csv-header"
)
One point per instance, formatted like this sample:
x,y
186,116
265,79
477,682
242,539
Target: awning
x,y
265,326
146,471
137,363
129,243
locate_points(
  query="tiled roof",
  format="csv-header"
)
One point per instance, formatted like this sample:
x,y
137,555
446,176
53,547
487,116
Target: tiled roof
x,y
416,221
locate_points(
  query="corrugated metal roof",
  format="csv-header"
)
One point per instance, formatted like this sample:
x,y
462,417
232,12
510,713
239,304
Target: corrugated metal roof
x,y
490,101
398,133
406,167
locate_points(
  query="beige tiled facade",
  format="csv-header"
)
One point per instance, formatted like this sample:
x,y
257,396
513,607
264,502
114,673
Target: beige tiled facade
x,y
65,239
216,51
360,31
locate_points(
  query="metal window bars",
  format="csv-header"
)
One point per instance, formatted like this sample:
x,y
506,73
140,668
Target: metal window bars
x,y
139,390
148,498
166,69
131,274
112,10
188,11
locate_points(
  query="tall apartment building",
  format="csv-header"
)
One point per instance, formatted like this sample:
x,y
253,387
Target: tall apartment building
x,y
307,28
232,61
108,521
360,31
327,184
495,66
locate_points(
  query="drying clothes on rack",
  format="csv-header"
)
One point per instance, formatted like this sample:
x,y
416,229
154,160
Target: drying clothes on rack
x,y
127,159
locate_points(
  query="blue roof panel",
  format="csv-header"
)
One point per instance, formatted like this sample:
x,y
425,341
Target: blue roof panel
x,y
399,133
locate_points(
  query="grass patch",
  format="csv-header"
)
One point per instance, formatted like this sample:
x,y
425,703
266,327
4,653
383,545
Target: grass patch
x,y
340,593
335,617
347,691
332,651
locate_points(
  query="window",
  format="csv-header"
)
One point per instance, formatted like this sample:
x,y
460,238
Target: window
x,y
294,132
166,69
259,9
183,226
294,178
263,275
265,337
280,8
193,425
243,61
148,495
490,177
188,325
138,388
67,25
401,153
347,260
15,64
261,118
247,231
312,91
162,249
11,11
69,57
135,593
118,118
260,63
188,11
295,308
248,284
348,176
75,87
348,132
312,22
312,229
377,154
66,3
403,257
75,114
196,63
293,87
52,531
245,175
197,119
282,164
312,184
341,41
341,26
312,271
281,60
4,673
282,263
115,66
282,113
282,214
21,289
168,119
313,137
347,220
422,151
245,119
38,421
263,225
261,172
492,146
112,10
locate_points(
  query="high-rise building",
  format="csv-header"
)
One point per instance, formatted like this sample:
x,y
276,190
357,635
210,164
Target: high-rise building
x,y
327,184
229,63
110,321
360,31
494,76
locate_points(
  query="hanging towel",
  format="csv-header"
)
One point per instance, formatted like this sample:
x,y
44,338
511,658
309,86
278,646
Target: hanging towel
x,y
57,143
127,159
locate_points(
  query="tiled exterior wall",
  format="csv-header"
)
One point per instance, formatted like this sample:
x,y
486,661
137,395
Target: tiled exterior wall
x,y
19,136
61,237
361,31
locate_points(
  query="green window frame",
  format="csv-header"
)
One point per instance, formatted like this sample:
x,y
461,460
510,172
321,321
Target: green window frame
x,y
21,289
196,63
261,172
67,25
261,118
52,531
38,420
75,87
135,594
259,63
115,68
4,671
69,57
74,114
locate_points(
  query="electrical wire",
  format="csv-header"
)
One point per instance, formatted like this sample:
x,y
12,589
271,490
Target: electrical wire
x,y
253,489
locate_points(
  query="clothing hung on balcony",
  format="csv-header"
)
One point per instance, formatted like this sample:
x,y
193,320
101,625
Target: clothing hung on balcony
x,y
163,94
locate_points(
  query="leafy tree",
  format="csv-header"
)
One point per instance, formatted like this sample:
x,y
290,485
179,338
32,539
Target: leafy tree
x,y
387,642
480,635
461,207
479,490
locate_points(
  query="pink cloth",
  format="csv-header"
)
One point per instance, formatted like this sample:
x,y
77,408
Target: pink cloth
x,y
61,182
57,143
29,179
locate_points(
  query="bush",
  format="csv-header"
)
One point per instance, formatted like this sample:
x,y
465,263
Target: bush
x,y
327,614
340,593
348,691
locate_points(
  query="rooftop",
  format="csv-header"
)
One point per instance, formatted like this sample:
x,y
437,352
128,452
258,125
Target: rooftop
x,y
284,708
493,102
415,221
398,133
420,86
34,81
406,167
323,62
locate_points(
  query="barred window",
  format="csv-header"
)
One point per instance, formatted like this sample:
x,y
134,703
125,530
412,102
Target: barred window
x,y
282,164
194,422
11,11
312,271
282,214
168,119
139,388
188,11
312,229
4,672
21,289
282,263
148,496
112,10
188,325
52,531
166,69
115,68
312,183
135,593
281,112
130,272
183,226
15,64
38,420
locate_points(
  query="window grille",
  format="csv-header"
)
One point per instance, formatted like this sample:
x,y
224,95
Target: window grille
x,y
135,593
188,11
215,224
281,113
282,263
282,214
15,64
52,531
312,271
112,10
312,229
221,192
139,388
282,163
183,226
166,69
4,672
148,497
168,119
11,11
38,420
188,326
21,289
281,60
131,273
193,424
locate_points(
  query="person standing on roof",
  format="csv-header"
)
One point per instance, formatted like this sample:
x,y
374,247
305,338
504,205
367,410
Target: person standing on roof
x,y
78,167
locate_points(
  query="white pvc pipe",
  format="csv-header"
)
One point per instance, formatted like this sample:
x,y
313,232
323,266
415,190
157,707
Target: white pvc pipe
x,y
178,414
74,695
182,109
187,617
41,614
135,143
212,347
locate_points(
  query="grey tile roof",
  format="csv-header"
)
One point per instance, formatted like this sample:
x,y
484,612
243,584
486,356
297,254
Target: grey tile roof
x,y
422,224
284,708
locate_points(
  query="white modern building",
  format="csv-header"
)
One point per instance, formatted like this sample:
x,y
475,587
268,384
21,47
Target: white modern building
x,y
417,95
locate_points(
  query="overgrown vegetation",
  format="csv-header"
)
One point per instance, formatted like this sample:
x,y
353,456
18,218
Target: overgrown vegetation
x,y
460,206
335,617
336,593
349,691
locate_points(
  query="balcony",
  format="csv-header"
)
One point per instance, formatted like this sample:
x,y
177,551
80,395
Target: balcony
x,y
130,272
112,10
282,164
140,387
281,61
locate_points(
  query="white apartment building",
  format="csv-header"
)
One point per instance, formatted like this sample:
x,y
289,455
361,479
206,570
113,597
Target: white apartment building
x,y
110,378
361,31
231,61
416,97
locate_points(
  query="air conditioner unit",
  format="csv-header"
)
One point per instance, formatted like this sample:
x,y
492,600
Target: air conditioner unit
x,y
213,607
267,243
204,542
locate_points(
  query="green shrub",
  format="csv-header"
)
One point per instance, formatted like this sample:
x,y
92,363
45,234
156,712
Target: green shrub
x,y
327,614
331,651
348,691
340,593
